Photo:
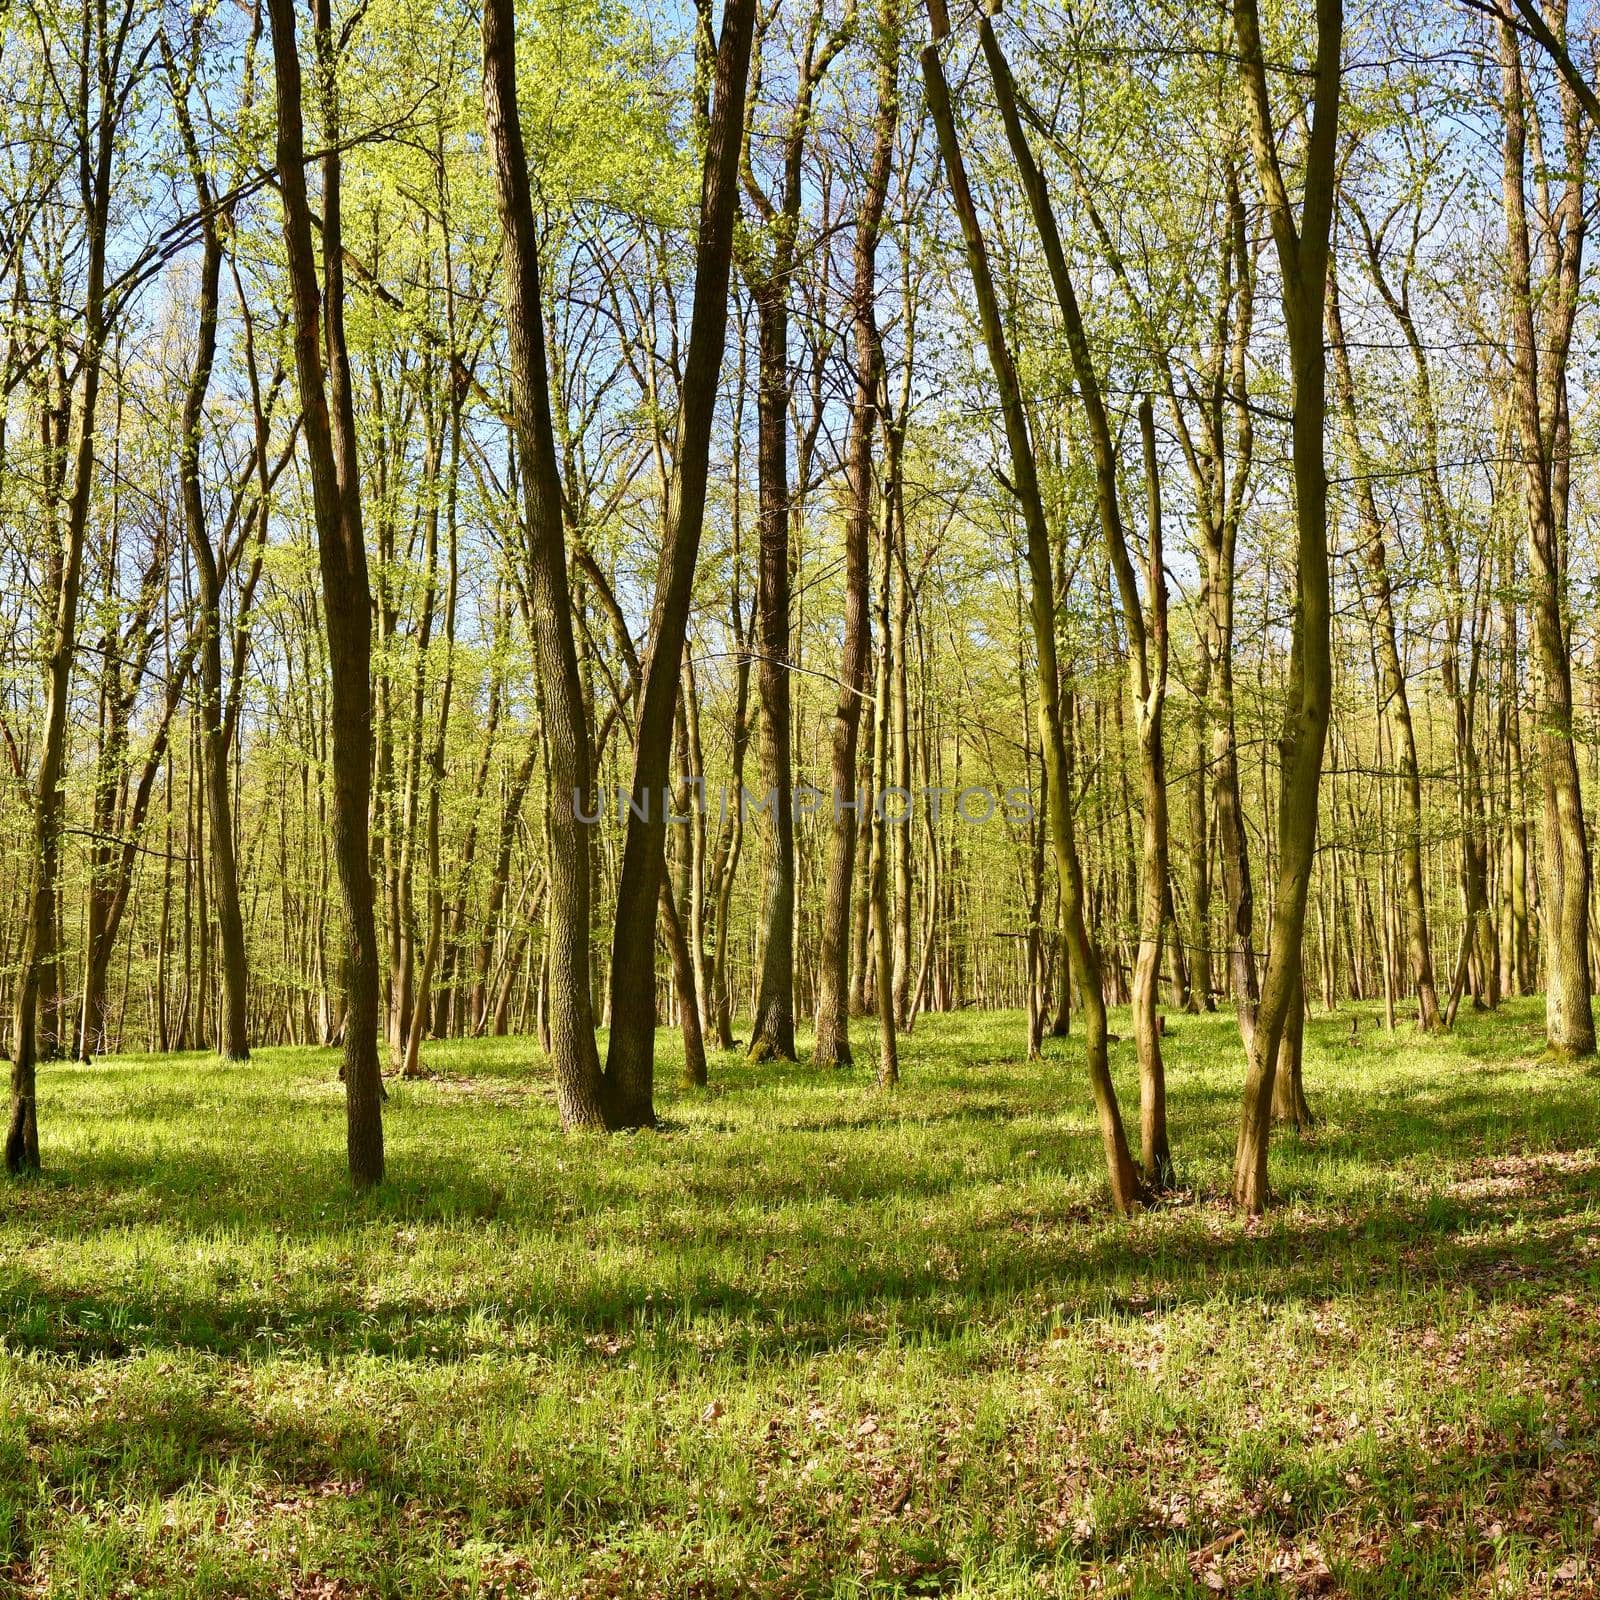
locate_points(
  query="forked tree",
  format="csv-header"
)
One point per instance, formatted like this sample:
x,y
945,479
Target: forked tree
x,y
833,978
1302,246
630,1056
1126,1189
328,425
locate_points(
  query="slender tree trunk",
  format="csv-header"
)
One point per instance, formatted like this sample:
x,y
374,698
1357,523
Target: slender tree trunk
x,y
899,624
233,1034
1418,944
772,1026
37,981
1303,259
1147,653
878,884
1126,1191
1202,982
769,267
694,1050
422,1011
1518,975
1564,891
329,428
97,932
833,1000
630,1054
1289,1104
1150,689
697,863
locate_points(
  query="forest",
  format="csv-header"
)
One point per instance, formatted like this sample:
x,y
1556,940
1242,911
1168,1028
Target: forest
x,y
798,798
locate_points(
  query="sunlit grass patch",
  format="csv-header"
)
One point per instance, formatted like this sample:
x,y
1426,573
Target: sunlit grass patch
x,y
810,1338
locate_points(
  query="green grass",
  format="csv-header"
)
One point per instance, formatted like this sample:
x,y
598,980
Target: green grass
x,y
809,1339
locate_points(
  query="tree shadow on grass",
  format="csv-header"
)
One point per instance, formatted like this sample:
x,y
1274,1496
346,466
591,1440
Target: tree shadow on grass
x,y
800,1229
813,1291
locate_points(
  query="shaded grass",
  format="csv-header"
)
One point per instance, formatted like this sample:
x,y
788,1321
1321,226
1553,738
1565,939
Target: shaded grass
x,y
809,1339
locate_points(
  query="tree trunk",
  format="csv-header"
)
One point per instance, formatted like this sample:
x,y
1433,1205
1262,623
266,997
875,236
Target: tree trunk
x,y
878,884
899,623
694,1050
1303,258
574,1056
1126,1191
329,428
630,1055
1147,654
37,980
1150,689
1569,1015
1289,1104
422,1011
833,1000
233,1040
772,1026
1418,944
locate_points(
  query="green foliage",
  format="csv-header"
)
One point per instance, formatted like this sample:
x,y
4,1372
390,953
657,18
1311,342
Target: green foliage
x,y
808,1340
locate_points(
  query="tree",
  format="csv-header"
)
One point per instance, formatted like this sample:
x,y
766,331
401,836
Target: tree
x,y
769,268
1543,420
1303,251
833,988
1147,635
104,85
631,1051
574,1056
234,1036
328,425
1126,1191
1399,699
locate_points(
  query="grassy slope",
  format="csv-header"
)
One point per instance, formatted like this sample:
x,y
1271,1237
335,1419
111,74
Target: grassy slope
x,y
808,1340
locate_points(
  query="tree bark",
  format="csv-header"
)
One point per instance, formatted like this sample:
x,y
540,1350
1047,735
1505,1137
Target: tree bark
x,y
772,1026
1540,410
573,1052
833,1002
329,428
1303,260
1126,1191
1418,945
630,1055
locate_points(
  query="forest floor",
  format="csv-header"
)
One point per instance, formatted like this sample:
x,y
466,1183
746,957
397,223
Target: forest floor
x,y
809,1339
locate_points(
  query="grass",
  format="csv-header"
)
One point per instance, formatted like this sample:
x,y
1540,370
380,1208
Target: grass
x,y
809,1339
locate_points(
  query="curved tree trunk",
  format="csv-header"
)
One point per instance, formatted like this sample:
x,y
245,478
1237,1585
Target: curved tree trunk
x,y
329,426
833,998
1147,637
574,1055
1303,258
630,1054
1126,1191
